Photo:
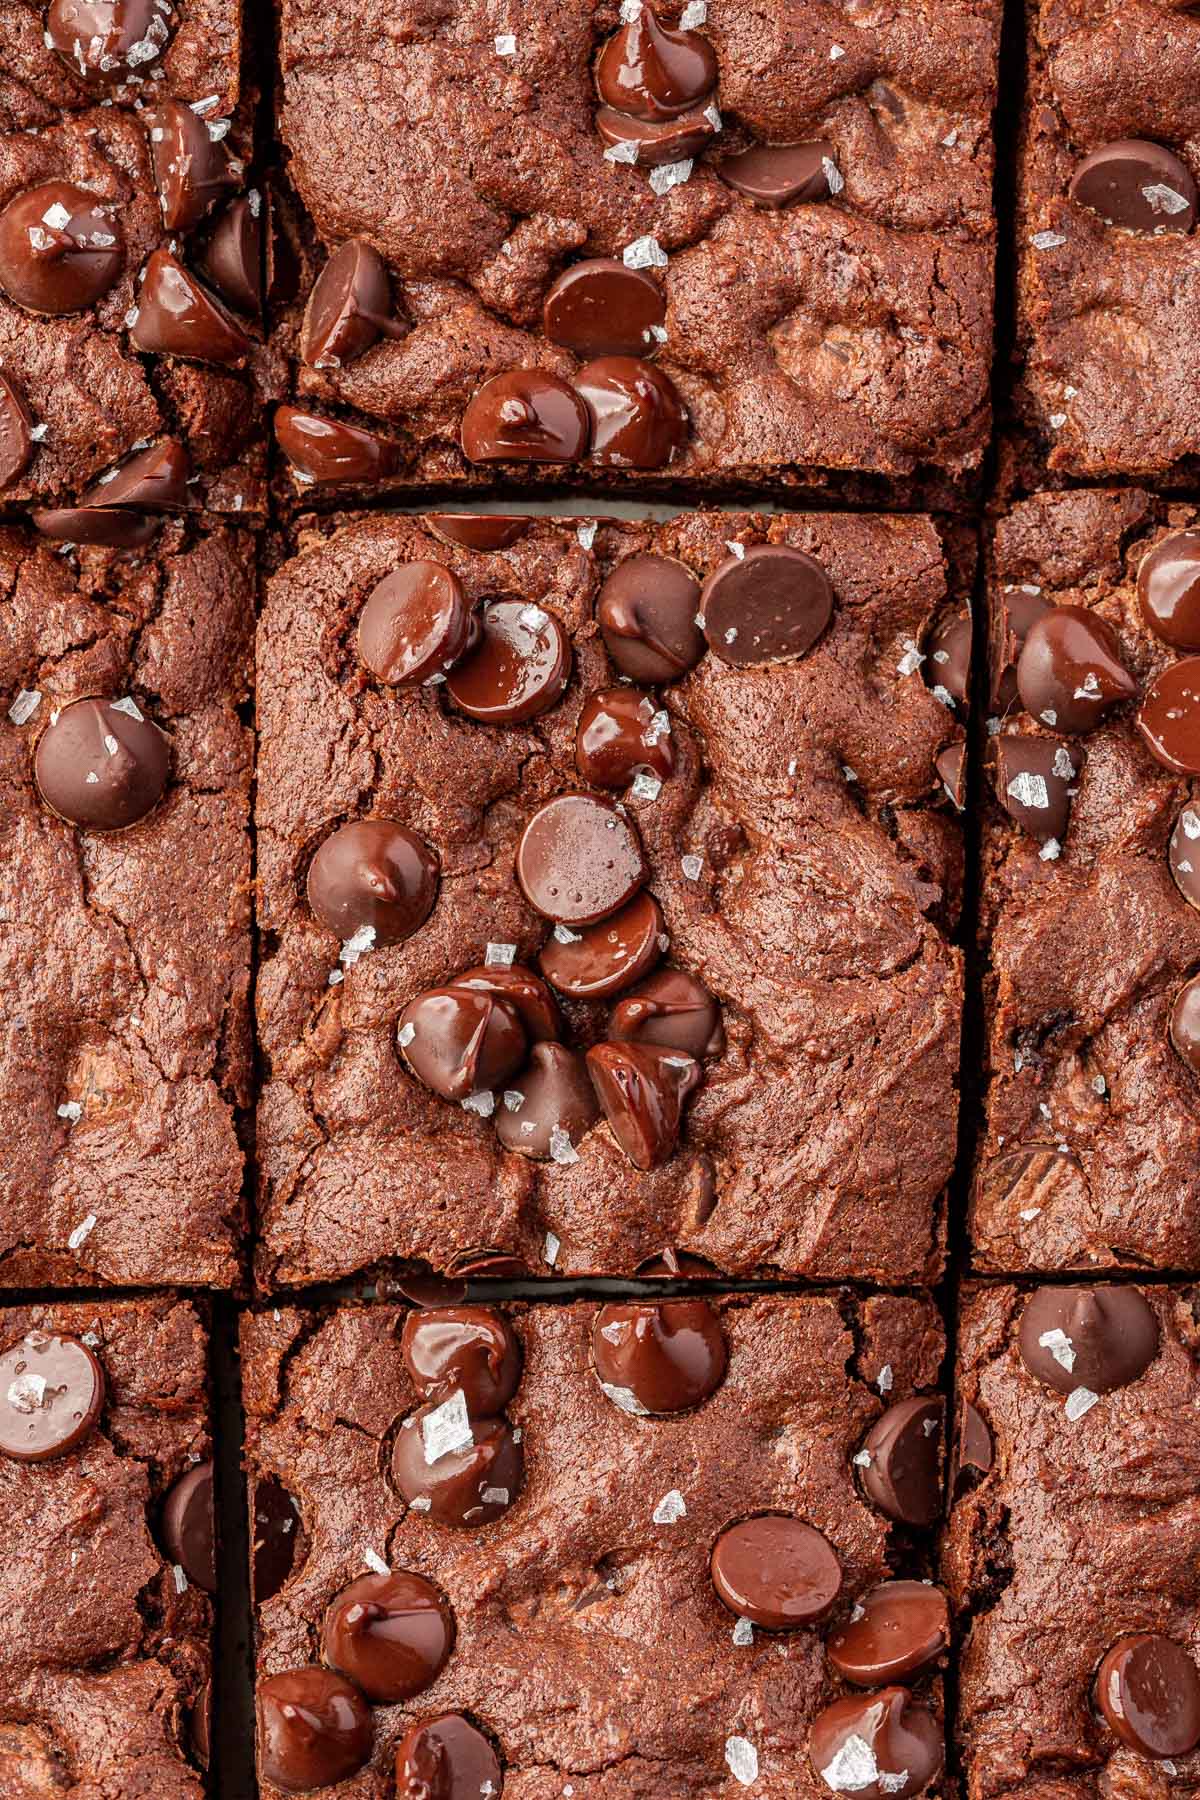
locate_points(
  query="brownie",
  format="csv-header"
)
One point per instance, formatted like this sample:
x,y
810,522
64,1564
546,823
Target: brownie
x,y
1107,308
1088,1152
105,1661
125,1055
1074,1533
804,863
590,1647
790,208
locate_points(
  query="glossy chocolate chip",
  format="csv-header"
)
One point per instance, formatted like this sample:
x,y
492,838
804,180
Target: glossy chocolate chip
x,y
326,451
349,309
111,527
527,992
1137,185
100,765
1169,716
600,308
314,1729
770,604
455,1470
416,624
1148,1689
948,659
656,142
525,415
777,174
459,1042
973,1450
177,316
446,1758
484,532
664,1357
550,1107
1096,1338
51,1395
276,1537
604,959
900,1464
233,257
472,1350
16,433
1013,613
647,611
1033,778
155,480
776,1571
1183,855
638,419
106,42
1168,586
1070,671
621,733
951,765
579,860
60,249
390,1634
189,1527
673,1010
642,1089
883,1746
652,71
1185,1024
897,1630
375,875
518,669
191,166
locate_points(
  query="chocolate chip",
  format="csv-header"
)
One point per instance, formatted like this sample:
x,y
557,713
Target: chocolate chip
x,y
277,1532
606,958
948,660
898,1629
664,1357
1185,1024
1168,585
60,249
446,1758
525,415
51,1395
1094,1338
111,527
518,669
973,1452
901,1470
531,998
769,604
1013,613
638,419
390,1634
479,531
100,766
657,142
326,451
646,612
233,256
106,42
1033,778
468,1470
652,71
349,309
154,480
1148,1689
459,1042
1169,717
1070,671
471,1350
622,732
550,1107
776,174
882,1746
177,316
951,765
579,860
600,308
1138,185
1183,855
16,433
373,874
776,1571
671,1009
416,624
642,1088
314,1728
191,167
189,1527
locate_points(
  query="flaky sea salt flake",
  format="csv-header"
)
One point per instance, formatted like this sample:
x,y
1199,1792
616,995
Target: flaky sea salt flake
x,y
693,14
645,786
743,1632
911,661
447,1428
670,1509
129,708
71,1111
735,549
483,1102
1050,851
506,44
624,152
1163,199
884,1379
1060,1347
626,1399
742,1759
669,175
691,866
500,956
24,705
644,253
550,1249
1079,1401
1029,790
586,535
356,946
83,1230
375,1562
1047,240
713,115
853,1768
562,1150
836,53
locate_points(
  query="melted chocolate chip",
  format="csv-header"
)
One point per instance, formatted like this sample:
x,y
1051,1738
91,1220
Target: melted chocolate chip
x,y
899,1629
1148,1689
479,531
526,992
903,1476
106,42
459,1042
518,670
1168,586
314,1729
110,527
446,1758
671,1009
951,765
579,860
905,1744
154,480
622,733
525,415
416,624
277,1535
1185,1024
973,1451
471,1350
16,433
373,874
646,611
349,309
776,1571
60,249
658,141
454,1470
777,174
664,1357
601,308
177,316
1169,717
51,1395
769,604
1183,855
233,256
642,1089
189,1527
638,419
948,662
1094,1338
101,767
1013,613
550,1107
603,959
1070,671
651,71
326,451
390,1634
1033,778
1137,185
191,167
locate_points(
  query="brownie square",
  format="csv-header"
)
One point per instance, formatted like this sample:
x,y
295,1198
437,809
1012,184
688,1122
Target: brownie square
x,y
805,856
1107,316
1074,1528
1088,1152
126,1052
104,1664
838,342
589,1642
